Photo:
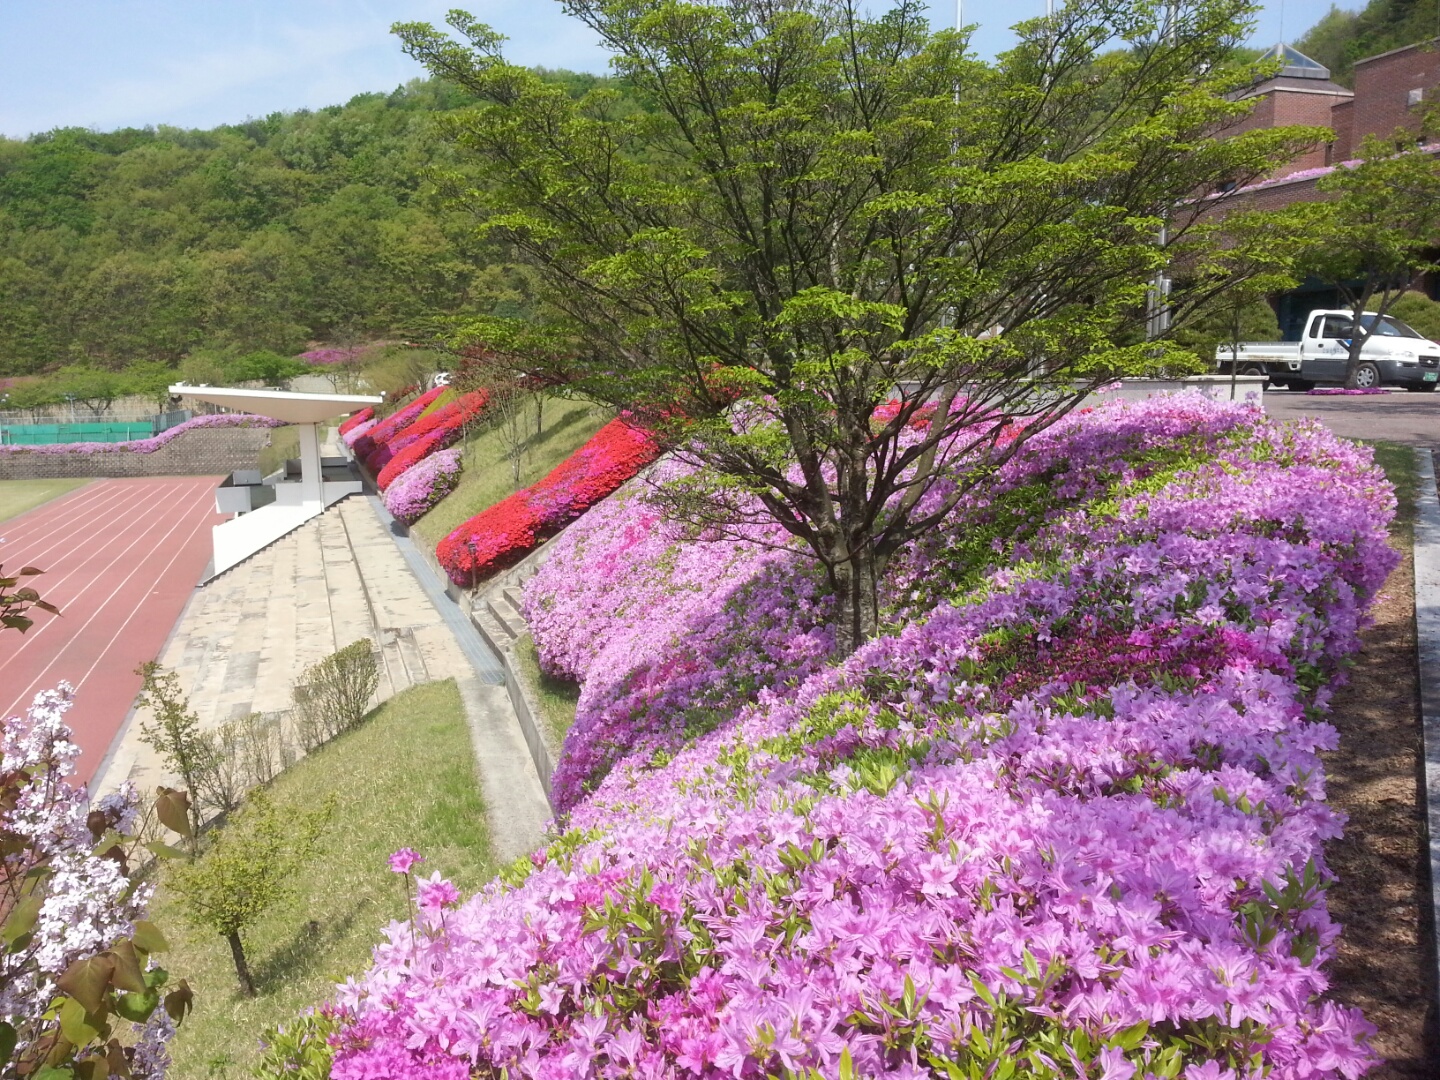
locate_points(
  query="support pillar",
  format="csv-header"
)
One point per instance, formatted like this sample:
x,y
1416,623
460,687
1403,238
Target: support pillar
x,y
311,477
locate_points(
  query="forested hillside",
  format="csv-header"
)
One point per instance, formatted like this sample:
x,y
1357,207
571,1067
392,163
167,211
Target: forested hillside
x,y
149,244
1341,37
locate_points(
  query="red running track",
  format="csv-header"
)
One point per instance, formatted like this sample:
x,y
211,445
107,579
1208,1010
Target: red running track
x,y
121,558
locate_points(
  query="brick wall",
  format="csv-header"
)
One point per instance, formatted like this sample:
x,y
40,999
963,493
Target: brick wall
x,y
199,452
1382,88
1342,119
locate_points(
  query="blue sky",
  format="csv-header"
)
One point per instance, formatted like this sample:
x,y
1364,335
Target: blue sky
x,y
197,63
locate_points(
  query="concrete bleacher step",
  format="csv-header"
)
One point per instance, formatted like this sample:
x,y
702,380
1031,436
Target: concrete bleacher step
x,y
511,593
497,636
505,615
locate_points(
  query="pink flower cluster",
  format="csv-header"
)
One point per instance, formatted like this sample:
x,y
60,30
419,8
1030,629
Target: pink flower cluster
x,y
1066,818
329,357
377,436
431,432
727,618
1345,391
150,445
421,487
354,435
354,420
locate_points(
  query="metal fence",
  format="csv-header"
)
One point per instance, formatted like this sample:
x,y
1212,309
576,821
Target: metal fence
x,y
22,434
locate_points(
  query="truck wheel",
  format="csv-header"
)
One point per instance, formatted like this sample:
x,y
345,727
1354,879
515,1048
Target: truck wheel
x,y
1367,376
1253,369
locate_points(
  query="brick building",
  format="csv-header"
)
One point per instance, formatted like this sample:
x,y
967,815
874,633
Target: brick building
x,y
1389,91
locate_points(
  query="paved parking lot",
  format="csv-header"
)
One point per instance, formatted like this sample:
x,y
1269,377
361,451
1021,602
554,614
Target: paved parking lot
x,y
1399,416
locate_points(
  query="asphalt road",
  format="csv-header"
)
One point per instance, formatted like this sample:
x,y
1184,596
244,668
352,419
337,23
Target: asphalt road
x,y
1399,416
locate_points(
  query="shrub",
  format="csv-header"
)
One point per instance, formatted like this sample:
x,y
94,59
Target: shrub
x,y
501,535
426,435
420,488
79,991
150,445
334,695
358,432
356,419
247,870
1066,818
383,431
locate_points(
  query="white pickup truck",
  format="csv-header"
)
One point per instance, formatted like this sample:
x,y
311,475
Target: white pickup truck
x,y
1393,355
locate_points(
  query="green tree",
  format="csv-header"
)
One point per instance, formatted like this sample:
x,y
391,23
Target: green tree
x,y
1376,236
1420,312
92,387
818,209
247,870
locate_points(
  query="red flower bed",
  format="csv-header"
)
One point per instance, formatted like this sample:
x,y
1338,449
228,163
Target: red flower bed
x,y
356,419
425,436
395,422
501,535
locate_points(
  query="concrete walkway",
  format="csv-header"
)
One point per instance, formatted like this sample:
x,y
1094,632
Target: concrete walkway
x,y
248,635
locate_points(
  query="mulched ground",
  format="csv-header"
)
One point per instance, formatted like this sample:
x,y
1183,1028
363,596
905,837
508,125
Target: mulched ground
x,y
1386,960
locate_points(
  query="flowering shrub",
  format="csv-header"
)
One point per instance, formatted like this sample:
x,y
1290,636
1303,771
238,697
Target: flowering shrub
x,y
1345,391
355,434
77,947
497,537
356,419
421,487
150,445
1065,819
426,435
383,431
726,619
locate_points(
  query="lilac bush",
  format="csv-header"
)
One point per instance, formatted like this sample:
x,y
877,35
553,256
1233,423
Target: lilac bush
x,y
1065,818
150,445
65,897
421,487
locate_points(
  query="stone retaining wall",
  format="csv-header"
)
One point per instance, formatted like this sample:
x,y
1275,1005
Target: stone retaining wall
x,y
199,452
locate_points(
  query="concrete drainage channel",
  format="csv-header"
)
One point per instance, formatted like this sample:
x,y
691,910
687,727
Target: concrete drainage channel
x,y
1427,640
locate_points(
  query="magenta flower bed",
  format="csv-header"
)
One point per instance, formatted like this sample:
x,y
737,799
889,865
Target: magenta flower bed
x,y
329,357
356,419
426,435
420,488
401,418
150,445
1068,815
1345,391
355,434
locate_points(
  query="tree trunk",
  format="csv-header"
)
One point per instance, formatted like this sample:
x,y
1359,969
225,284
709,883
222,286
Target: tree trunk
x,y
539,414
857,612
242,970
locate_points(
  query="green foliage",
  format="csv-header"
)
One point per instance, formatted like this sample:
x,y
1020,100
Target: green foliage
x,y
880,210
145,245
1224,321
173,731
299,1049
248,868
333,695
1422,313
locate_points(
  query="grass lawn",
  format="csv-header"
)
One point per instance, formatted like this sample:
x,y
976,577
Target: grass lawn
x,y
488,476
17,496
405,778
1398,461
284,444
556,697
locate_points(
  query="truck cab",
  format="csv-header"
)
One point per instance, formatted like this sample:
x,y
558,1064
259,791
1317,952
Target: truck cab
x,y
1394,354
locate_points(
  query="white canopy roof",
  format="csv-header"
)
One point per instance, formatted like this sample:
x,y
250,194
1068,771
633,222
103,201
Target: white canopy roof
x,y
279,404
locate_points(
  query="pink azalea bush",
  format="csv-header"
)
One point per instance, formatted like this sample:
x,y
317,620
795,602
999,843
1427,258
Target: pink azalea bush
x,y
1064,818
420,488
150,445
377,436
354,435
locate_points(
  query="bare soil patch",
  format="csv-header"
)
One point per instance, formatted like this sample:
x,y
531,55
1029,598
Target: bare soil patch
x,y
1386,958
